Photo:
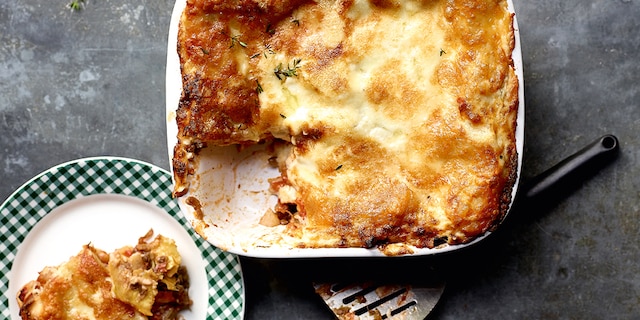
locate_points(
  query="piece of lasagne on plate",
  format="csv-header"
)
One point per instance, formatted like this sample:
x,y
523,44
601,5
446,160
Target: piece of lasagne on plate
x,y
141,282
393,121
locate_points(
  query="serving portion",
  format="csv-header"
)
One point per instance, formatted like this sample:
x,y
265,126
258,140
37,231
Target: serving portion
x,y
360,124
146,281
104,204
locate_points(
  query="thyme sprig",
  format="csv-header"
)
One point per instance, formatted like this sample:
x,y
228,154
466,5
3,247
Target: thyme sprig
x,y
270,30
236,40
76,5
267,50
290,71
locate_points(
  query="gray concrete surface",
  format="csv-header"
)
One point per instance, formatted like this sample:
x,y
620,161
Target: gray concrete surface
x,y
91,83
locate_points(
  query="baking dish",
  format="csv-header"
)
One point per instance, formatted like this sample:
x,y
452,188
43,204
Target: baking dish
x,y
232,183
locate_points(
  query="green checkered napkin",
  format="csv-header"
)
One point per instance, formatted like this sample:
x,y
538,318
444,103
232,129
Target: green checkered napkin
x,y
63,183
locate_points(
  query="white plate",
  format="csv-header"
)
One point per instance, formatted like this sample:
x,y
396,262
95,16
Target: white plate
x,y
109,202
240,179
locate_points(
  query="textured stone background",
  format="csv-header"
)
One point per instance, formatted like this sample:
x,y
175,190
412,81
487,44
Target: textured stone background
x,y
91,83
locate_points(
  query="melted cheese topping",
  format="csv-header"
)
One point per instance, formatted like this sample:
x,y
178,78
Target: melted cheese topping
x,y
400,114
77,289
121,285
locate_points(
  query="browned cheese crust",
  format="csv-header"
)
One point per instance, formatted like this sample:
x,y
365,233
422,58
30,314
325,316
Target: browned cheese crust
x,y
54,295
141,282
399,117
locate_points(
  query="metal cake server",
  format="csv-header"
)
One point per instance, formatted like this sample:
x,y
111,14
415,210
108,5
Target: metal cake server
x,y
380,301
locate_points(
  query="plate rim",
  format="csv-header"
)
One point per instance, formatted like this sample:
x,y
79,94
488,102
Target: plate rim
x,y
13,237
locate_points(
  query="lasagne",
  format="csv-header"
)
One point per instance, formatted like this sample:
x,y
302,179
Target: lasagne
x,y
391,121
141,282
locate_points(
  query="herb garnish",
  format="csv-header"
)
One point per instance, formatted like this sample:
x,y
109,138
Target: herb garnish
x,y
259,87
76,4
267,49
442,52
290,71
270,30
338,167
236,39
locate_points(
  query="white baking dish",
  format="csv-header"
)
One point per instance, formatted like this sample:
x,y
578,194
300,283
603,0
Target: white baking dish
x,y
232,185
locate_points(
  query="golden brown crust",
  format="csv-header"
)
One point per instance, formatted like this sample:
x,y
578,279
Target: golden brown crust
x,y
97,285
84,281
400,115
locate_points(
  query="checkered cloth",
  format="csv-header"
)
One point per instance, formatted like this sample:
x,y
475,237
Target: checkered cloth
x,y
63,183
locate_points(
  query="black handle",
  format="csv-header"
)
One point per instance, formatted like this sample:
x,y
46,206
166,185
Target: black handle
x,y
572,169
